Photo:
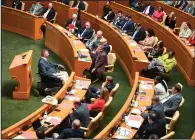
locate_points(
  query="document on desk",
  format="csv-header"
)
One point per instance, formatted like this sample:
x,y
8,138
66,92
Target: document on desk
x,y
146,82
135,111
146,86
143,98
82,84
70,97
134,121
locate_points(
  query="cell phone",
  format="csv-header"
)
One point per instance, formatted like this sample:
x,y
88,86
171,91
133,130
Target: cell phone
x,y
47,123
58,110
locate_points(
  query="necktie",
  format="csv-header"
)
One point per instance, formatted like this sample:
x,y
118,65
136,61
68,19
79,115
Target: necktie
x,y
124,25
83,33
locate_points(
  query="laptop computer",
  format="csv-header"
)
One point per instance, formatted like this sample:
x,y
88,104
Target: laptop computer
x,y
81,55
37,125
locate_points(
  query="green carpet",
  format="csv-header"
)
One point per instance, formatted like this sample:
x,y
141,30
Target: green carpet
x,y
13,111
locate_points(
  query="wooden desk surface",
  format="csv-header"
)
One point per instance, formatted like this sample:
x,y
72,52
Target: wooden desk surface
x,y
66,47
65,108
186,63
21,22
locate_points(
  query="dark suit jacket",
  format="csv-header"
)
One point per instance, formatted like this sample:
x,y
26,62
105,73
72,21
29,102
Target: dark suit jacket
x,y
106,48
172,104
17,3
81,5
116,22
46,68
129,27
82,114
110,86
158,109
151,10
110,17
71,133
50,15
157,128
141,35
88,34
100,62
78,24
170,24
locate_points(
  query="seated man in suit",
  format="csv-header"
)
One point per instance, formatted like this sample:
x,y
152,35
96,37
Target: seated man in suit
x,y
99,62
80,112
73,25
49,13
73,132
156,107
171,103
153,126
109,17
94,92
190,9
127,25
148,9
17,4
139,33
118,18
86,32
36,9
94,42
164,63
48,69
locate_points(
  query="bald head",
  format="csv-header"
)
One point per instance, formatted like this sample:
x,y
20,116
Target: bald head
x,y
50,5
74,16
76,124
99,34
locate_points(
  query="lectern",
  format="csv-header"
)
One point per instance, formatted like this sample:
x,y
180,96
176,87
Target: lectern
x,y
20,69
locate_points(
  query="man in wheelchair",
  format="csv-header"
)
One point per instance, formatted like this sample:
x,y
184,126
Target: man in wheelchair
x,y
51,72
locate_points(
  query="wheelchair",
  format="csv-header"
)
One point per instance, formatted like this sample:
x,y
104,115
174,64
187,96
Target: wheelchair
x,y
48,85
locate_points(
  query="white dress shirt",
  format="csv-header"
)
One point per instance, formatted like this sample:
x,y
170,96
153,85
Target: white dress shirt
x,y
46,13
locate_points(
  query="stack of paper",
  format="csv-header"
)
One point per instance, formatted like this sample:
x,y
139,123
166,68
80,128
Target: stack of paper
x,y
70,97
144,86
135,111
134,121
123,131
142,98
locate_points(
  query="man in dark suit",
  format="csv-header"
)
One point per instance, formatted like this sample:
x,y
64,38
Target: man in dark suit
x,y
156,107
153,126
86,32
139,33
79,4
50,70
94,92
73,132
17,4
118,18
148,9
127,25
109,17
99,62
49,13
80,112
171,103
73,24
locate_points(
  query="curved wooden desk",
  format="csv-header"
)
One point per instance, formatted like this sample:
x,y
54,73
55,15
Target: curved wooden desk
x,y
21,22
117,120
66,47
181,16
128,56
184,55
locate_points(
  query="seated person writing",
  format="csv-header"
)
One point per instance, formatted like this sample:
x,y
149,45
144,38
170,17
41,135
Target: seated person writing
x,y
147,44
72,132
98,103
36,9
186,31
127,25
73,25
191,40
86,32
94,42
156,51
109,16
156,107
118,19
171,102
80,112
94,92
158,14
164,63
99,61
49,70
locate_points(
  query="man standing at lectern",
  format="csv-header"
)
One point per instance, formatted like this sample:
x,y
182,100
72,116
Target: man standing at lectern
x,y
49,69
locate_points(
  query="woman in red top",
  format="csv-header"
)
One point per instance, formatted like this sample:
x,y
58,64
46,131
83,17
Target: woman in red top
x,y
158,14
99,103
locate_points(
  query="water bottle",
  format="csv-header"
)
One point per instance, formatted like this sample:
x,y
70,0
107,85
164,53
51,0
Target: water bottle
x,y
45,116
